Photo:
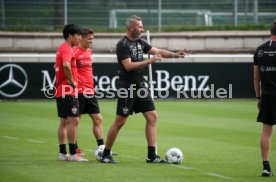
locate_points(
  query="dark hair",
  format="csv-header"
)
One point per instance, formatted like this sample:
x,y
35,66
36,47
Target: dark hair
x,y
273,28
71,29
86,31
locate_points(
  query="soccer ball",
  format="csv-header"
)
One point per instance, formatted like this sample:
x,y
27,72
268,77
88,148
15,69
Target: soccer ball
x,y
174,156
99,152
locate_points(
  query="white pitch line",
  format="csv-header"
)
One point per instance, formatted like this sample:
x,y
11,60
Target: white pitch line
x,y
88,150
9,137
180,167
209,174
36,141
218,176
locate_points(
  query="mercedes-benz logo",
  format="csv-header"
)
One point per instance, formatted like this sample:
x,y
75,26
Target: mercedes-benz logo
x,y
15,83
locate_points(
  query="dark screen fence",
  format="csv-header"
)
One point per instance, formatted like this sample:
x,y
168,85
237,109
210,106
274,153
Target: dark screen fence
x,y
170,80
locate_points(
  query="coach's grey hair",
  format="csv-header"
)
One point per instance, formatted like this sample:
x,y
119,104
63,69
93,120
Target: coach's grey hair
x,y
132,19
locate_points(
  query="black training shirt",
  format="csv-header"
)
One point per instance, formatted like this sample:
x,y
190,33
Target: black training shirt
x,y
133,49
265,58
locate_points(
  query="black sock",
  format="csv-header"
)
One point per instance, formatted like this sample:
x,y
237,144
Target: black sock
x,y
77,145
100,142
72,149
266,165
106,152
151,152
62,149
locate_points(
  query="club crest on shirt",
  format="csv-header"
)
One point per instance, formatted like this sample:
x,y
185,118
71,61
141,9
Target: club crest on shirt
x,y
74,110
133,51
125,110
260,53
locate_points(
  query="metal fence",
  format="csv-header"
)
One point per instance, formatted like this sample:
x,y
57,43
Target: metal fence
x,y
111,14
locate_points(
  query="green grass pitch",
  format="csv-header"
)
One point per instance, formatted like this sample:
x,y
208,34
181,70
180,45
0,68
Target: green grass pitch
x,y
219,139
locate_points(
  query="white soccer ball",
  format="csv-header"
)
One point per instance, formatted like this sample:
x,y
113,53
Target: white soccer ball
x,y
174,156
99,152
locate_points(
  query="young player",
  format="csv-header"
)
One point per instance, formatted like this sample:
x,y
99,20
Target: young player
x,y
87,100
66,92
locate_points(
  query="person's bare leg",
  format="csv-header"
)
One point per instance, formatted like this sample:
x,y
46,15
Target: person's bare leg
x,y
62,136
114,130
151,135
62,131
151,127
266,141
265,148
72,133
97,128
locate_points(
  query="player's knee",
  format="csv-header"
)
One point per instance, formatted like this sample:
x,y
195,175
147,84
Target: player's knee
x,y
74,121
153,116
98,120
120,122
63,125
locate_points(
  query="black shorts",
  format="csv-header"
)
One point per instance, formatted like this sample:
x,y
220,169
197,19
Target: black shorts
x,y
67,106
135,103
267,112
88,104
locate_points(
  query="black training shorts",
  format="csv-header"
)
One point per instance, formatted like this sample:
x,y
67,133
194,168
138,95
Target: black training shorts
x,y
267,112
139,101
67,106
88,104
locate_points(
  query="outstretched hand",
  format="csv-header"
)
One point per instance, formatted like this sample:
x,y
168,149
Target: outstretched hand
x,y
156,57
181,54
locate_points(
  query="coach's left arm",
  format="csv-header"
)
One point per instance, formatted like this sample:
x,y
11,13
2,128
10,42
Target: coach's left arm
x,y
168,54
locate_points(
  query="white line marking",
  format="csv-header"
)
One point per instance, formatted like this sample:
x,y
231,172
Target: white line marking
x,y
181,167
218,175
35,141
88,150
209,174
9,137
131,157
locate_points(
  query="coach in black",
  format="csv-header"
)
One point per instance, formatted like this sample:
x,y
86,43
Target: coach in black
x,y
130,50
265,89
